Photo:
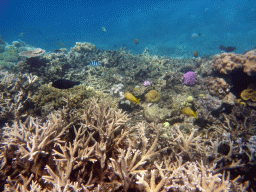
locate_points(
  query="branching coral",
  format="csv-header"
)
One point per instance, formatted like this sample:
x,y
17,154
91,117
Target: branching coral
x,y
93,150
97,152
16,95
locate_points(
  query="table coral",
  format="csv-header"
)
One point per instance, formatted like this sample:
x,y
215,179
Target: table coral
x,y
33,53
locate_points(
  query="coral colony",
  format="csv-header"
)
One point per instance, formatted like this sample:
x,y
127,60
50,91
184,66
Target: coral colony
x,y
190,78
147,83
68,126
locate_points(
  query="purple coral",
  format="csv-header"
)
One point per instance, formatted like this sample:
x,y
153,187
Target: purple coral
x,y
147,83
190,78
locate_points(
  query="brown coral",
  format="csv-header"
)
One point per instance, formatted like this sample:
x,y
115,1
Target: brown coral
x,y
152,96
228,62
249,93
217,87
250,64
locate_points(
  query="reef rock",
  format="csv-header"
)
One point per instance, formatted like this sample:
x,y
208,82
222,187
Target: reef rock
x,y
229,99
153,113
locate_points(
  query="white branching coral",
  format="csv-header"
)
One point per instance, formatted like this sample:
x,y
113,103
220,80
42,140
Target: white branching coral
x,y
184,142
34,137
16,94
95,152
190,176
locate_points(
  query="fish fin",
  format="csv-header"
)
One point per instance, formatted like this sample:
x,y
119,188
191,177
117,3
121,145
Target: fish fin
x,y
138,101
195,115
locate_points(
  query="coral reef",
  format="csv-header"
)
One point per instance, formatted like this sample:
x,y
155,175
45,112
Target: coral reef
x,y
91,138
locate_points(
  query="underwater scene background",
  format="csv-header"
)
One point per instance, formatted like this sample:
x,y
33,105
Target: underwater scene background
x,y
145,96
174,28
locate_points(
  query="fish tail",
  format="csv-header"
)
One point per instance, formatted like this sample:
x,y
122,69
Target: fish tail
x,y
195,115
138,101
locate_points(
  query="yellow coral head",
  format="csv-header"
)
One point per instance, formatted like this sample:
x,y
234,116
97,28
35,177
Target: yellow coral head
x,y
166,124
190,99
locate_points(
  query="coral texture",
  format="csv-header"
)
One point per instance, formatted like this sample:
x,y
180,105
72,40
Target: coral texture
x,y
227,62
217,87
190,78
152,96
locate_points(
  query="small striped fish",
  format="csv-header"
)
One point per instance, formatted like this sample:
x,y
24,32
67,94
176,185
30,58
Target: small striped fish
x,y
95,64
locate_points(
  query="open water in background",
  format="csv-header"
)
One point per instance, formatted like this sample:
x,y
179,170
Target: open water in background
x,y
164,27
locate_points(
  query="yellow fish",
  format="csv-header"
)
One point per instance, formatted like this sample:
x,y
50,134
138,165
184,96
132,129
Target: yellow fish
x,y
189,112
131,97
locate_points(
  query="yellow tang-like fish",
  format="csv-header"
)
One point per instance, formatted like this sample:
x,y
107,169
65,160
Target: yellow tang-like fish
x,y
131,97
189,112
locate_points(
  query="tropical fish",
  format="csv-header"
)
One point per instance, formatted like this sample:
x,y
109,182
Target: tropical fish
x,y
103,29
189,112
131,97
136,41
57,51
64,84
227,49
95,64
196,54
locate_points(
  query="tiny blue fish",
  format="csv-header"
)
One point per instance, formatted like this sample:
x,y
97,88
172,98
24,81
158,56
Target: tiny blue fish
x,y
95,64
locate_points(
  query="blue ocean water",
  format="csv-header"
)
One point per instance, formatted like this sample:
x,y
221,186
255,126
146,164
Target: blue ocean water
x,y
174,28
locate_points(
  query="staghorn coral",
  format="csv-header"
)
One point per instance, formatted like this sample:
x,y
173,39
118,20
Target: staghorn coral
x,y
189,176
184,143
97,151
16,95
228,62
93,146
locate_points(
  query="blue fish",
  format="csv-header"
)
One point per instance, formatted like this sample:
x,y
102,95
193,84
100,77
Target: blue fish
x,y
95,64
